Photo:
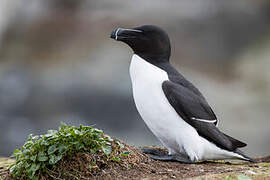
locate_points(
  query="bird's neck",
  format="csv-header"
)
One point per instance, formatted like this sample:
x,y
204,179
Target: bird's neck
x,y
154,59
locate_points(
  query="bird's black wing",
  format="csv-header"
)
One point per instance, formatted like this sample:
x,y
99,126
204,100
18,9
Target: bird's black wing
x,y
194,110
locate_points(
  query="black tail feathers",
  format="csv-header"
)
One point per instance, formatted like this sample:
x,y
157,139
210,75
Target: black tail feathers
x,y
235,143
246,158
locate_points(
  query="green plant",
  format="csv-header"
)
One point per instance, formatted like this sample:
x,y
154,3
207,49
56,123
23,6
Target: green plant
x,y
41,153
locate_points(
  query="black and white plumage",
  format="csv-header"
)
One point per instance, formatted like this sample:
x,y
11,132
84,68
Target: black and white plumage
x,y
171,106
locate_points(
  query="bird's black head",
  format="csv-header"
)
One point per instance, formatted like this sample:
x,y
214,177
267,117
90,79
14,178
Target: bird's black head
x,y
148,41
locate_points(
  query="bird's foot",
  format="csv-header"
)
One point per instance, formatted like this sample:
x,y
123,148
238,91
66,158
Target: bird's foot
x,y
152,151
173,158
158,155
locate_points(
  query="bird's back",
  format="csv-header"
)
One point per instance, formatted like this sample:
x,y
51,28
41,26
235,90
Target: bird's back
x,y
178,78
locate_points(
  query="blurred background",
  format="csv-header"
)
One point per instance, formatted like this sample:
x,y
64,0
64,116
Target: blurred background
x,y
57,63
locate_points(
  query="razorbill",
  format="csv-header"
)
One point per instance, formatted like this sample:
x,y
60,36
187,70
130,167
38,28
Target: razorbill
x,y
171,106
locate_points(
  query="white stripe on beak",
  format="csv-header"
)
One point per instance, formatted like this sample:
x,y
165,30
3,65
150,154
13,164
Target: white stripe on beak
x,y
116,36
135,30
116,33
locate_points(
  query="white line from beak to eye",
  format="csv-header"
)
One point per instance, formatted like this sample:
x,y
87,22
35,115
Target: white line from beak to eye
x,y
116,33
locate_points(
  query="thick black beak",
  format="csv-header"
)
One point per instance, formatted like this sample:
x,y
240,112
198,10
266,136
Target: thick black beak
x,y
121,33
113,34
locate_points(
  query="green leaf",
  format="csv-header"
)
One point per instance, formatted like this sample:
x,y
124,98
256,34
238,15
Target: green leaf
x,y
54,159
98,131
33,158
107,149
120,144
77,132
243,177
125,153
35,178
42,156
93,150
78,145
34,167
16,153
58,158
92,165
52,149
62,148
12,168
27,165
116,158
19,165
44,142
108,138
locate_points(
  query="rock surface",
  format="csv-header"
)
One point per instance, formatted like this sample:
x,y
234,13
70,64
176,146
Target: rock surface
x,y
147,169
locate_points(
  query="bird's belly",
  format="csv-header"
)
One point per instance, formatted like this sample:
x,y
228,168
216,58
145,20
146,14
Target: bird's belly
x,y
161,118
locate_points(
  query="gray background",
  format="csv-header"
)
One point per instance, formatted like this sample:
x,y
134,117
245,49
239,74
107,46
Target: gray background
x,y
57,63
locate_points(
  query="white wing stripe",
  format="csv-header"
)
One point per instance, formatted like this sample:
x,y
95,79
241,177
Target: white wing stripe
x,y
204,120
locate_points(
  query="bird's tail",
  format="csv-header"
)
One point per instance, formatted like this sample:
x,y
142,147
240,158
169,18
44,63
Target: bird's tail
x,y
245,157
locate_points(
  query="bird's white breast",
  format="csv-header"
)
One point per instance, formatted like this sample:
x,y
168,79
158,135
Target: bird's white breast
x,y
156,111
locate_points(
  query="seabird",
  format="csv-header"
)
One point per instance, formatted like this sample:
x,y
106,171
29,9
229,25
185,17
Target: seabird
x,y
171,106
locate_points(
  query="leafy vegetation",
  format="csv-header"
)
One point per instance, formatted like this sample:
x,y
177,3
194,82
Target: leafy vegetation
x,y
41,153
